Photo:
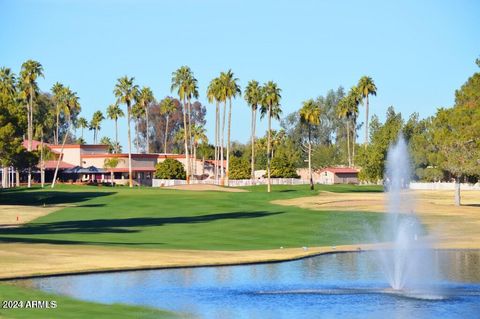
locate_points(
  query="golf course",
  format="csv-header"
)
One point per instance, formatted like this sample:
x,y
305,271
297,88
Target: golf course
x,y
84,229
81,229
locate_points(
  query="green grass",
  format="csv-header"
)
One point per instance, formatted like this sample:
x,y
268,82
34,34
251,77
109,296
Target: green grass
x,y
172,219
68,308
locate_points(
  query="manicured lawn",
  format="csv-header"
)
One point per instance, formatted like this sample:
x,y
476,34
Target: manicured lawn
x,y
68,308
173,219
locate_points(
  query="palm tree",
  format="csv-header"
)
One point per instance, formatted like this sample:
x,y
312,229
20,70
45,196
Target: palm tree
x,y
71,105
344,112
199,134
82,124
145,98
97,119
31,70
137,113
58,91
354,100
310,115
270,106
230,89
214,94
347,109
126,92
181,81
7,82
367,87
114,112
167,107
253,96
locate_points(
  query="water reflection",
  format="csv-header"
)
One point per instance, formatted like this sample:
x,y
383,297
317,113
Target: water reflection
x,y
344,285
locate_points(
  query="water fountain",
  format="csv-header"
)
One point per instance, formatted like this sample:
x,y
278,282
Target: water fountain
x,y
409,263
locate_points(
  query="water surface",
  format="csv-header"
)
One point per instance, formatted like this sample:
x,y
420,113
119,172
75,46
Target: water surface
x,y
343,285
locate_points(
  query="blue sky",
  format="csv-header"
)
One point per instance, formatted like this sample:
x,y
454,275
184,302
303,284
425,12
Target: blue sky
x,y
418,52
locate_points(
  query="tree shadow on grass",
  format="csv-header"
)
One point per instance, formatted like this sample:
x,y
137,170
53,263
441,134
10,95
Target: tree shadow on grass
x,y
42,197
125,225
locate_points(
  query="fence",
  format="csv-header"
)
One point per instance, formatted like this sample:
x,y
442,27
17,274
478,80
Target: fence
x,y
443,186
233,182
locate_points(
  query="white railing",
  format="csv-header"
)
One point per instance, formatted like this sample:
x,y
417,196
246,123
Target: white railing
x,y
233,182
443,186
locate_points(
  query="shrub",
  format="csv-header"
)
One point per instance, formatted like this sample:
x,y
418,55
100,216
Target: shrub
x,y
170,169
239,168
281,167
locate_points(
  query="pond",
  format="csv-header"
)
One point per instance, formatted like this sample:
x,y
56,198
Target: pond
x,y
342,285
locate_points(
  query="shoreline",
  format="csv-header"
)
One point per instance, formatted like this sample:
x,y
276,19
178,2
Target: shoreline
x,y
292,254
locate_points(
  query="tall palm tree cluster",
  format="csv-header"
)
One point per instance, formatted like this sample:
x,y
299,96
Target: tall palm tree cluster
x,y
347,109
221,91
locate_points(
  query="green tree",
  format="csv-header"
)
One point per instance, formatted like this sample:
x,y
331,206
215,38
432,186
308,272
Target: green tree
x,y
367,87
214,94
270,107
240,168
253,97
72,106
58,94
110,164
114,112
230,89
456,136
310,115
167,107
82,124
30,72
138,113
199,135
183,82
145,99
126,93
170,169
283,168
95,123
372,158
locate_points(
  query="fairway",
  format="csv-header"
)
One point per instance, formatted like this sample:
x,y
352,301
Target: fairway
x,y
172,219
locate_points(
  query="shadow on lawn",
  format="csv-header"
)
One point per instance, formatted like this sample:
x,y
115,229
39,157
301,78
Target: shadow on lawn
x,y
40,197
124,225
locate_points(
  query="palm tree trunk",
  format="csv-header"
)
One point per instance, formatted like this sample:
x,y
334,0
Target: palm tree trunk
x,y
215,162
146,129
366,123
82,132
195,159
190,132
30,133
185,128
348,143
56,135
42,164
222,143
116,135
166,135
268,147
111,177
60,157
310,157
354,138
130,178
252,167
228,138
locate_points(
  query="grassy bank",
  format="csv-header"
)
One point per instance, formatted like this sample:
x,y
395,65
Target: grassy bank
x,y
173,219
68,308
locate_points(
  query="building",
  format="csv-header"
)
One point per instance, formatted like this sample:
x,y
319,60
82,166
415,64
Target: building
x,y
84,163
338,175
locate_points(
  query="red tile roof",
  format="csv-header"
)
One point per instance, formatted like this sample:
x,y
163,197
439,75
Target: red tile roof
x,y
53,164
340,170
